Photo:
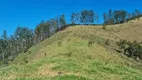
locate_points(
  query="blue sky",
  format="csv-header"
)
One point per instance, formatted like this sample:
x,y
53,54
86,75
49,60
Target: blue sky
x,y
29,13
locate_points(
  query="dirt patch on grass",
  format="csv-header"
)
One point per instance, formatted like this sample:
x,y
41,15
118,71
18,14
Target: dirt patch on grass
x,y
9,77
46,71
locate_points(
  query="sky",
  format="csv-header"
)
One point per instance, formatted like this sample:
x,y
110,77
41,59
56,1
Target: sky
x,y
29,13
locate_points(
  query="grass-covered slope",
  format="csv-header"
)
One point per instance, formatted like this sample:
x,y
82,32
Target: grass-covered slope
x,y
79,53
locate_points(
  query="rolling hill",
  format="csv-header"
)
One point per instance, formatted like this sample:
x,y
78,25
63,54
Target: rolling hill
x,y
79,53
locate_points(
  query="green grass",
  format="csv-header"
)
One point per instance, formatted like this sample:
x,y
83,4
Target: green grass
x,y
68,56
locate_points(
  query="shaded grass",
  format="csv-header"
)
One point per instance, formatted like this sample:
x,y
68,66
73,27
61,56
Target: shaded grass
x,y
65,77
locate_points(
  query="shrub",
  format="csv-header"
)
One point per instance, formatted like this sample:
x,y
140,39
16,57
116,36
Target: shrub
x,y
89,57
59,43
69,54
90,43
25,60
107,42
104,27
131,49
44,54
122,44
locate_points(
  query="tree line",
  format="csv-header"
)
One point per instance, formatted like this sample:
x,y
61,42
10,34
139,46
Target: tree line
x,y
23,37
47,28
119,16
19,42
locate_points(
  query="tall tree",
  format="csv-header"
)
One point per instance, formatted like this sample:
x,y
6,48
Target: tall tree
x,y
105,17
4,35
97,18
5,45
137,12
62,20
73,21
110,17
129,15
87,16
24,38
119,16
75,18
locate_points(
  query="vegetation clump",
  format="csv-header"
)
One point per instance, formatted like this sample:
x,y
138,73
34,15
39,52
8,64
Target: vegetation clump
x,y
131,49
90,43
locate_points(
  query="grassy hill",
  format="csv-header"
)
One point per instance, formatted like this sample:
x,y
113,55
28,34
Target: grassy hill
x,y
79,53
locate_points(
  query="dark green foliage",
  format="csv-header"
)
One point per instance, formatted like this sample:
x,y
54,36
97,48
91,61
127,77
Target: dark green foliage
x,y
122,44
11,46
90,43
25,60
104,26
69,54
107,42
131,49
4,47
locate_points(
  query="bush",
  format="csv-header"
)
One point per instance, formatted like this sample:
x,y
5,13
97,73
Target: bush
x,y
25,60
141,42
104,27
69,54
45,54
131,49
59,43
123,44
107,42
89,57
90,43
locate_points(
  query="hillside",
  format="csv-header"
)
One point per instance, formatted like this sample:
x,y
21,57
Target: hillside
x,y
79,53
